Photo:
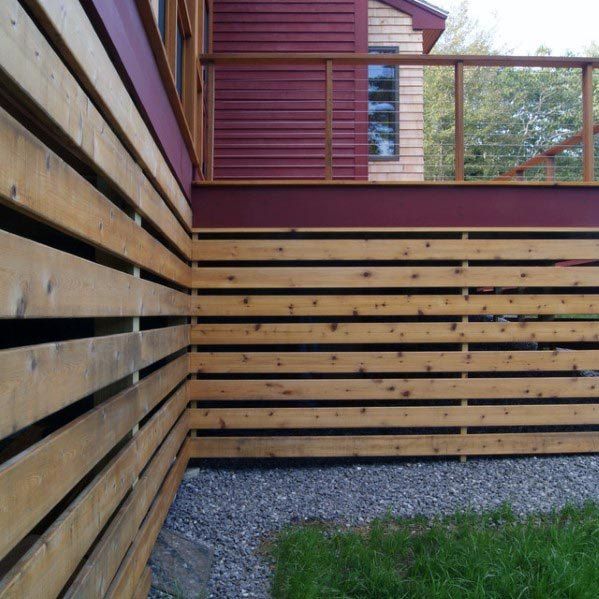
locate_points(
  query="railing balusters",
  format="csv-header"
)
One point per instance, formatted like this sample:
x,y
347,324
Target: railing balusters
x,y
588,142
459,120
329,121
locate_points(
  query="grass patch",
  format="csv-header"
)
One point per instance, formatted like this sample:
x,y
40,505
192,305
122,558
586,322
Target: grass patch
x,y
494,555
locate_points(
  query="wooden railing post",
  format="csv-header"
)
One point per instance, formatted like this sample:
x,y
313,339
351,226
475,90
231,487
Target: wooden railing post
x,y
588,141
550,169
328,167
209,152
459,120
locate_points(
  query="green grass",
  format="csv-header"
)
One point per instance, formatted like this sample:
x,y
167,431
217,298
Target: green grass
x,y
495,555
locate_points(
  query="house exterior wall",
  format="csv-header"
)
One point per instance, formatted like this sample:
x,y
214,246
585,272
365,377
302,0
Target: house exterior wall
x,y
388,27
270,121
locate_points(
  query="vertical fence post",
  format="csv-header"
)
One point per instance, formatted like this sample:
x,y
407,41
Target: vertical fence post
x,y
209,153
459,120
588,142
328,157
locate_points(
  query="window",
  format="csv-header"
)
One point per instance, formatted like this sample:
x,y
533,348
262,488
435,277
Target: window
x,y
161,18
382,107
179,62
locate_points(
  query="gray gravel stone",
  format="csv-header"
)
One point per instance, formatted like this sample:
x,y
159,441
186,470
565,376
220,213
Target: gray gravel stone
x,y
234,507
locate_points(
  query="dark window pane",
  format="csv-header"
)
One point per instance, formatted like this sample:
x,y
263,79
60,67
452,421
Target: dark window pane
x,y
179,62
382,107
162,19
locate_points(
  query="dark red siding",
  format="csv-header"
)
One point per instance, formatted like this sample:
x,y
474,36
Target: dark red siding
x,y
123,34
270,122
374,205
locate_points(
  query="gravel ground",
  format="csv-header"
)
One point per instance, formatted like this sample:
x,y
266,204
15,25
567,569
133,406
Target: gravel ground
x,y
234,508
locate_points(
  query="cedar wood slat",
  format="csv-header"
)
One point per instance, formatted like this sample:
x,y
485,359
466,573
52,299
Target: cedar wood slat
x,y
136,557
392,305
69,27
403,361
49,564
143,586
393,417
39,380
394,389
47,86
41,282
101,565
391,276
392,445
395,332
32,483
395,249
36,181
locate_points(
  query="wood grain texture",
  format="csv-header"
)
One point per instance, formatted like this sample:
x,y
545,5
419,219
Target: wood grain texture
x,y
33,482
34,180
70,29
362,361
123,584
39,380
322,277
394,389
393,445
37,281
392,305
33,69
401,332
393,417
394,249
50,563
143,586
101,565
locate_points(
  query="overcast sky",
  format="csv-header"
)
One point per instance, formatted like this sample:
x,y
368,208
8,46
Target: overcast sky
x,y
524,25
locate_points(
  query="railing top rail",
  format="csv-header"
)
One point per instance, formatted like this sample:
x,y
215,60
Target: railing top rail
x,y
289,58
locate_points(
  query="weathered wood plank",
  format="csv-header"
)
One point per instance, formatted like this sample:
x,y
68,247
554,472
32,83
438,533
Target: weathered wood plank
x,y
103,562
31,68
33,482
397,332
277,277
395,249
393,417
143,586
391,305
70,29
37,281
394,389
50,563
135,560
38,380
35,180
393,445
425,361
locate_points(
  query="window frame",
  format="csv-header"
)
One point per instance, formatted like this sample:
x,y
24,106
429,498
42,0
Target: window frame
x,y
186,16
396,154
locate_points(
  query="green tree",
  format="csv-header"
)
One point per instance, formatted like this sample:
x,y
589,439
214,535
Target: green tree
x,y
511,114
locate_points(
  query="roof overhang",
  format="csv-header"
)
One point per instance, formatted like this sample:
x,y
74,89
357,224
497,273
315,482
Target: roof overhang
x,y
425,17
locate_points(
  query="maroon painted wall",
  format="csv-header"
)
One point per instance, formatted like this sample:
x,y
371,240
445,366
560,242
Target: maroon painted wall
x,y
269,122
120,27
371,205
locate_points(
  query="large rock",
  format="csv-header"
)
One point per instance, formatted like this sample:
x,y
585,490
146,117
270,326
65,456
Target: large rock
x,y
180,567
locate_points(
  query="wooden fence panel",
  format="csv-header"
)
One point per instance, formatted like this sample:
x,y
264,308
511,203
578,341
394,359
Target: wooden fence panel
x,y
483,343
94,305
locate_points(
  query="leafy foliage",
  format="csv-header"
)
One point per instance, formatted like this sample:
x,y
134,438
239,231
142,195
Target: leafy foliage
x,y
511,114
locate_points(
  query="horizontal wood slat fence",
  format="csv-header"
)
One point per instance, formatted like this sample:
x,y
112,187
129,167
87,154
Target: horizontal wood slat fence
x,y
131,343
394,343
95,250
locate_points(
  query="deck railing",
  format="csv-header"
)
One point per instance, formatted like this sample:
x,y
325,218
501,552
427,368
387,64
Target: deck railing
x,y
294,116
